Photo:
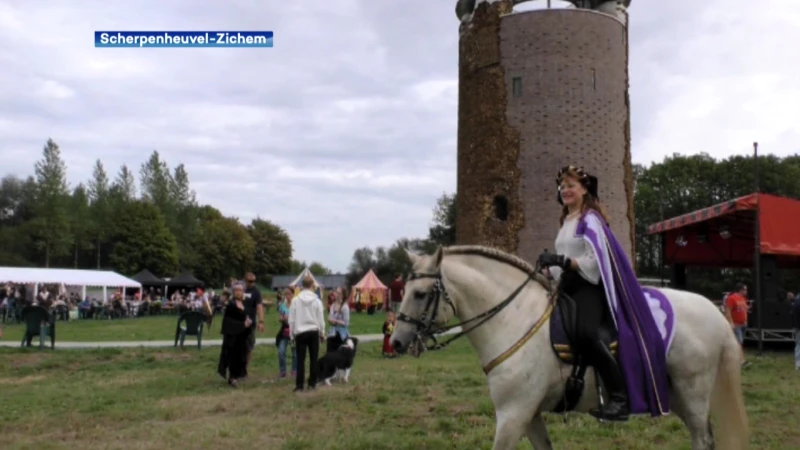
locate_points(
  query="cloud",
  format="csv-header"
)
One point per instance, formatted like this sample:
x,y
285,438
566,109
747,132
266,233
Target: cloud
x,y
344,133
714,77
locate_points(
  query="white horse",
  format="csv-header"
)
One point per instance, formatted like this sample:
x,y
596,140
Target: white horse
x,y
703,362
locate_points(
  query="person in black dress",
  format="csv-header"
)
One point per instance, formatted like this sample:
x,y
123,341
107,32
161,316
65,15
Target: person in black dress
x,y
235,330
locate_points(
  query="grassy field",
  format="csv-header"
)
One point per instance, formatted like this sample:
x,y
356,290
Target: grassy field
x,y
156,399
162,328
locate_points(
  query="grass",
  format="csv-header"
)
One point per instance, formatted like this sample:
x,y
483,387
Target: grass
x,y
162,328
156,399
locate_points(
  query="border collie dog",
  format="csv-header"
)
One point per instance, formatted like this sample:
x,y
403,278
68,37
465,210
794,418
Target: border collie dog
x,y
338,363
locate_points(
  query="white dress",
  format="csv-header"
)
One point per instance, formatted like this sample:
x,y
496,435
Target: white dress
x,y
577,249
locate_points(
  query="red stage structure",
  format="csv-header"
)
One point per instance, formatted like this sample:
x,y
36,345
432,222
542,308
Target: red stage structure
x,y
727,235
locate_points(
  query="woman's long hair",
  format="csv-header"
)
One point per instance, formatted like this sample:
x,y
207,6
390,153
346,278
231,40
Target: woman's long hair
x,y
589,202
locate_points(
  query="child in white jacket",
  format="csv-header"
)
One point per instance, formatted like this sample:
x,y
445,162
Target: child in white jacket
x,y
307,329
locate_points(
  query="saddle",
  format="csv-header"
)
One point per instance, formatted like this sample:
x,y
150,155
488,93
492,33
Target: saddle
x,y
563,326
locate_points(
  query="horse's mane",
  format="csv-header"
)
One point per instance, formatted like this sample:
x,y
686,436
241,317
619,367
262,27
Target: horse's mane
x,y
498,255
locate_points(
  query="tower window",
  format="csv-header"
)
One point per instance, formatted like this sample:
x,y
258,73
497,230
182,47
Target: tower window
x,y
516,86
501,208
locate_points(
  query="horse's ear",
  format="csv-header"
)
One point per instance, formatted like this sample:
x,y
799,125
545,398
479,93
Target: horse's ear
x,y
438,256
413,257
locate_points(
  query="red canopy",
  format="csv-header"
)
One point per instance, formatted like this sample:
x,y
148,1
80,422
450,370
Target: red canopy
x,y
723,235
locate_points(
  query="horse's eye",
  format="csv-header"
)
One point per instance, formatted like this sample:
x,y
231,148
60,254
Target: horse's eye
x,y
420,295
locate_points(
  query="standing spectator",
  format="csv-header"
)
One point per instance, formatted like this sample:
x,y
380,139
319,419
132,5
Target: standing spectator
x,y
283,338
254,308
307,328
388,329
736,313
796,330
397,289
339,319
331,298
235,325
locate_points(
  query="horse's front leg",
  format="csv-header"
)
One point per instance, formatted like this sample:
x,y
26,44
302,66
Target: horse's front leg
x,y
537,434
515,411
509,430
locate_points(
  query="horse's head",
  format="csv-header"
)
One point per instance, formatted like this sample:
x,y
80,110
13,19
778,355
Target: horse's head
x,y
426,307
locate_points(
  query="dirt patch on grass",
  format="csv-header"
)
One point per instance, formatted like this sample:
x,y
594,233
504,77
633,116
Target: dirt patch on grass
x,y
122,381
187,354
27,360
21,380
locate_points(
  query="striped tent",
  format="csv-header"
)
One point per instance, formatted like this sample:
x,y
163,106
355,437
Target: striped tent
x,y
368,287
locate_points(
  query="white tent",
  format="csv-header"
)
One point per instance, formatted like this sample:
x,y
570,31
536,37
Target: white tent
x,y
67,277
299,280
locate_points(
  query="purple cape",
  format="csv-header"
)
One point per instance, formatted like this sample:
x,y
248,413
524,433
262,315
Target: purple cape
x,y
644,319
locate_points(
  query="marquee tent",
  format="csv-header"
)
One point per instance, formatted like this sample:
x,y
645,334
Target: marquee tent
x,y
66,277
148,279
370,285
186,280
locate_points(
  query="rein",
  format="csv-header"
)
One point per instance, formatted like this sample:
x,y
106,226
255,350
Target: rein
x,y
428,330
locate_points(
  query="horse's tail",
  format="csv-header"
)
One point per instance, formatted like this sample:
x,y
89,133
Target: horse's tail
x,y
727,401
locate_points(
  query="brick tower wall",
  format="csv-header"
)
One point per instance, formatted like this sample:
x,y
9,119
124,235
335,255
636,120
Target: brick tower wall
x,y
539,90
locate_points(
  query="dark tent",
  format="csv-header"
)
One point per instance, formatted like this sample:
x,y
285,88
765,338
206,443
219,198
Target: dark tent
x,y
185,279
148,279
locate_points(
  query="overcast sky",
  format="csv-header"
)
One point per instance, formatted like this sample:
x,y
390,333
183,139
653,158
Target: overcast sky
x,y
351,117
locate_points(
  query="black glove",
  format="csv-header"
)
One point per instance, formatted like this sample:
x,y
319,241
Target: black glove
x,y
553,259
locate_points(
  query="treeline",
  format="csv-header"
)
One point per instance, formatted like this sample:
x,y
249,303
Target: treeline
x,y
680,184
388,261
108,223
674,186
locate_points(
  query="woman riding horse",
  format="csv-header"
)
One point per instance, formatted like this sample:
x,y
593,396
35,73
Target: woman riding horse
x,y
576,266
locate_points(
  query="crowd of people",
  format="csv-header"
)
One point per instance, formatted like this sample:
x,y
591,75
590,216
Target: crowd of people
x,y
302,327
116,305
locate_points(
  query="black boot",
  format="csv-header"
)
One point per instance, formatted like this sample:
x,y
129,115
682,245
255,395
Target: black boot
x,y
616,410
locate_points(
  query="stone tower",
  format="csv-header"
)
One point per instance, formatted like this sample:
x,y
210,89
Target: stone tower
x,y
539,90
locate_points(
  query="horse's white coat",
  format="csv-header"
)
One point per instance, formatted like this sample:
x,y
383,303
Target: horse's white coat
x,y
704,357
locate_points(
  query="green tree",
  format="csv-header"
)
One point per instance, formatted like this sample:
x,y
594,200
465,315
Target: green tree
x,y
80,218
273,248
157,187
398,258
142,240
180,187
224,248
123,192
362,261
17,200
443,228
317,268
99,208
126,183
296,266
51,225
185,205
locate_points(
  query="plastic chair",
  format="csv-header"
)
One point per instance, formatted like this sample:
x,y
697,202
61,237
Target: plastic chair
x,y
38,322
195,321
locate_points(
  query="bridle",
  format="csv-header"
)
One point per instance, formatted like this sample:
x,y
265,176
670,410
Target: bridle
x,y
426,327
